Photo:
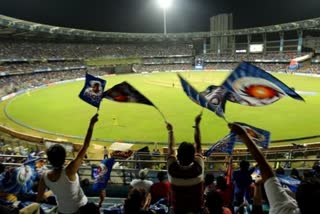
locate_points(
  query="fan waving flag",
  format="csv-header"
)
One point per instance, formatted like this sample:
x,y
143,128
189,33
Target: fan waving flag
x,y
253,86
126,93
259,136
225,145
93,90
102,178
198,98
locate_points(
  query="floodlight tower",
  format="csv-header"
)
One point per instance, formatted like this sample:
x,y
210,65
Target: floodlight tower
x,y
165,4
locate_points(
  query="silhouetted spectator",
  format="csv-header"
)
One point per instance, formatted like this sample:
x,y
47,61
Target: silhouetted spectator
x,y
209,183
225,191
137,202
295,174
242,181
214,204
161,189
186,173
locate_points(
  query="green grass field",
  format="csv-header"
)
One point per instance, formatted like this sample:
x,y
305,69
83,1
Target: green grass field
x,y
58,109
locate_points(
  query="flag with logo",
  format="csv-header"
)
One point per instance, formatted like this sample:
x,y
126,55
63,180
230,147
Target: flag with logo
x,y
126,93
198,98
93,90
19,180
102,177
259,136
252,86
225,145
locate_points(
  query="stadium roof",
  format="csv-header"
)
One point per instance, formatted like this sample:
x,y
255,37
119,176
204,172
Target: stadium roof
x,y
16,28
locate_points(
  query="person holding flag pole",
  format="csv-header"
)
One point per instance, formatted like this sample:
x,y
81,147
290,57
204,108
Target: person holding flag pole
x,y
64,181
186,172
307,195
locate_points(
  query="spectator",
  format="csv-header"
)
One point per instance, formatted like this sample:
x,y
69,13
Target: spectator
x,y
161,189
142,181
2,168
186,173
308,192
105,152
280,171
209,183
257,196
64,182
242,182
225,191
295,174
137,202
214,204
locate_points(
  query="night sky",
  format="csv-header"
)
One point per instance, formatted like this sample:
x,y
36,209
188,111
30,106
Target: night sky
x,y
146,16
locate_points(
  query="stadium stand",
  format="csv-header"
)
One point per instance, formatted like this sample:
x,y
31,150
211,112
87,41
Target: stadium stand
x,y
27,62
27,49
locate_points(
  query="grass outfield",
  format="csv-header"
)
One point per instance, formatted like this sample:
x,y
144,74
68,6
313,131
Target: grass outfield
x,y
58,109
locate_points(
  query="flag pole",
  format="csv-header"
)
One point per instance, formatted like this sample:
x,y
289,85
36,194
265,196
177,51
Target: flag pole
x,y
162,115
225,120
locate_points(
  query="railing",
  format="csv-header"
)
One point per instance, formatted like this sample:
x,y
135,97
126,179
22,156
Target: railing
x,y
126,169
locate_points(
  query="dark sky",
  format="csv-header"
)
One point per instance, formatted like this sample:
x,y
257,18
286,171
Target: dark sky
x,y
146,16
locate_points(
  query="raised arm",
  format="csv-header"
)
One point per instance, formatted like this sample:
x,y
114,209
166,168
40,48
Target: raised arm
x,y
170,140
74,165
197,134
257,195
266,170
41,190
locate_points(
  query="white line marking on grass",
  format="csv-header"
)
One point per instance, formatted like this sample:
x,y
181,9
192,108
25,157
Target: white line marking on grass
x,y
308,93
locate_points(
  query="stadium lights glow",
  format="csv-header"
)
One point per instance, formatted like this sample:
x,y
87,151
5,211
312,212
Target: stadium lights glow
x,y
165,3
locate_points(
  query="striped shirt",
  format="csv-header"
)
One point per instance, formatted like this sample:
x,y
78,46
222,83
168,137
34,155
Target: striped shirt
x,y
186,185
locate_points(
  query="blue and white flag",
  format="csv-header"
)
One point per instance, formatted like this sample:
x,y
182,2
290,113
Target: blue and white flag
x,y
225,145
198,98
259,136
92,91
288,181
19,180
103,175
253,86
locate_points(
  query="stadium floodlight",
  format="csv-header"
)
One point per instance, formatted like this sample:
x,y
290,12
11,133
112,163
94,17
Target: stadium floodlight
x,y
165,4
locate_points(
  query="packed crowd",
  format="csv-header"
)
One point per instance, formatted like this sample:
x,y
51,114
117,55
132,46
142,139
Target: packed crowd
x,y
13,147
27,49
21,68
273,67
169,60
173,67
252,56
314,68
10,84
186,191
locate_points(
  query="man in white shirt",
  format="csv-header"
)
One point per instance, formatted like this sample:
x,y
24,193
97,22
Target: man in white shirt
x,y
142,182
280,202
